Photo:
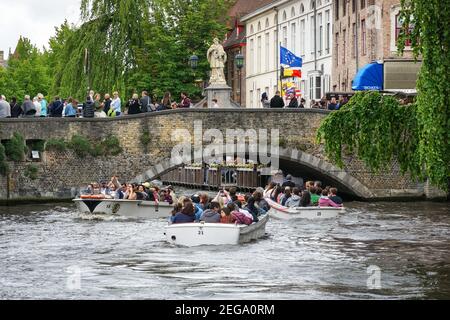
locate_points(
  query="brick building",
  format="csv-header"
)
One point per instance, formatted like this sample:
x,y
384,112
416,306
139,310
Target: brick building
x,y
363,31
235,43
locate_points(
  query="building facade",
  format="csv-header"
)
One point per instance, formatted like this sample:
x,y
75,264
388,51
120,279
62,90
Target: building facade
x,y
3,62
235,43
305,28
363,31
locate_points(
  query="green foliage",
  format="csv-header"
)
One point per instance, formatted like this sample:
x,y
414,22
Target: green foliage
x,y
4,168
108,146
112,146
58,145
145,138
31,172
15,148
27,72
378,129
80,145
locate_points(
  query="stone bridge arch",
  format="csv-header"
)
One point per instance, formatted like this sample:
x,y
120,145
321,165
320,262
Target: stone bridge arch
x,y
341,178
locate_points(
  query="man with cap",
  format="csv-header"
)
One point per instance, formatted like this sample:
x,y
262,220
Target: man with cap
x,y
288,182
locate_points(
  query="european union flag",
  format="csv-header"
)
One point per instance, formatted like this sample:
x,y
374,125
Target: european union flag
x,y
290,59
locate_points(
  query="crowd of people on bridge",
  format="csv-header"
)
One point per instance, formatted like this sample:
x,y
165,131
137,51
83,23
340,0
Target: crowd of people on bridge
x,y
277,102
94,106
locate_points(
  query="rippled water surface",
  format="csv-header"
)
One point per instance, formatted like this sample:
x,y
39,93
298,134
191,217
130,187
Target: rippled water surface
x,y
44,248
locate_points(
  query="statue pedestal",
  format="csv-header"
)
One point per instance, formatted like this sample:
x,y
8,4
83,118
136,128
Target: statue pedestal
x,y
222,93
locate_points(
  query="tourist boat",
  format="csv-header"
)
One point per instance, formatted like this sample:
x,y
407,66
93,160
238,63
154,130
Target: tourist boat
x,y
126,208
201,233
280,212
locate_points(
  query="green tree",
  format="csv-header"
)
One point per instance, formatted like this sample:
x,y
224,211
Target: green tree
x,y
26,72
417,135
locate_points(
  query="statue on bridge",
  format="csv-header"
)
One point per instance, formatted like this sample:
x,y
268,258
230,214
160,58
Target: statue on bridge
x,y
217,58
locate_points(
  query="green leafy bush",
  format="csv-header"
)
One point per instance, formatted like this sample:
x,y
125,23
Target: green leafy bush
x,y
112,146
4,168
15,148
58,145
31,171
145,138
80,145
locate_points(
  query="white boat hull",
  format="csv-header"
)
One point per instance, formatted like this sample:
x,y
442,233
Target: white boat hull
x,y
312,213
126,208
214,234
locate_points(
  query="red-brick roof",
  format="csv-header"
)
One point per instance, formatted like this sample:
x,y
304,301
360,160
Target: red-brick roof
x,y
243,7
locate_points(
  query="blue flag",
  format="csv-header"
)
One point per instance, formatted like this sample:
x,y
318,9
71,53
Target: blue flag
x,y
290,59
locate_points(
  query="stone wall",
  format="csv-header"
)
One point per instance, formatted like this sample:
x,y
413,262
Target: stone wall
x,y
62,174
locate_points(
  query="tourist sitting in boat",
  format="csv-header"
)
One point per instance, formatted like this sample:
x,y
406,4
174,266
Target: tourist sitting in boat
x,y
242,218
309,185
176,209
250,207
325,201
332,194
276,193
204,201
285,197
237,206
198,208
315,196
187,213
226,216
294,200
260,202
172,193
305,200
166,197
141,194
269,189
130,194
211,215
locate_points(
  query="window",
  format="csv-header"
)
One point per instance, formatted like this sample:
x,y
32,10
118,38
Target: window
x,y
259,26
302,37
252,30
336,50
252,56
315,87
293,37
302,8
363,37
327,31
284,16
267,23
363,4
313,29
292,12
267,51
320,35
318,87
398,30
344,7
258,55
336,10
344,45
354,5
285,37
251,99
312,4
354,40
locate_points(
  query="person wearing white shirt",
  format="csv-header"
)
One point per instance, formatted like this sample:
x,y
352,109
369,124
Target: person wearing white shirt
x,y
116,104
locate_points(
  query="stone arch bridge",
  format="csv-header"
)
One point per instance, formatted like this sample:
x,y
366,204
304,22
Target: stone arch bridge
x,y
62,174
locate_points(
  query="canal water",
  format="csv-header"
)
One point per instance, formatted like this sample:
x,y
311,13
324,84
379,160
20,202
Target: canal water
x,y
375,251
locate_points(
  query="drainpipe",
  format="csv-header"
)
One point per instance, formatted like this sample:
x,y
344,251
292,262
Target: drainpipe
x,y
315,36
278,49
